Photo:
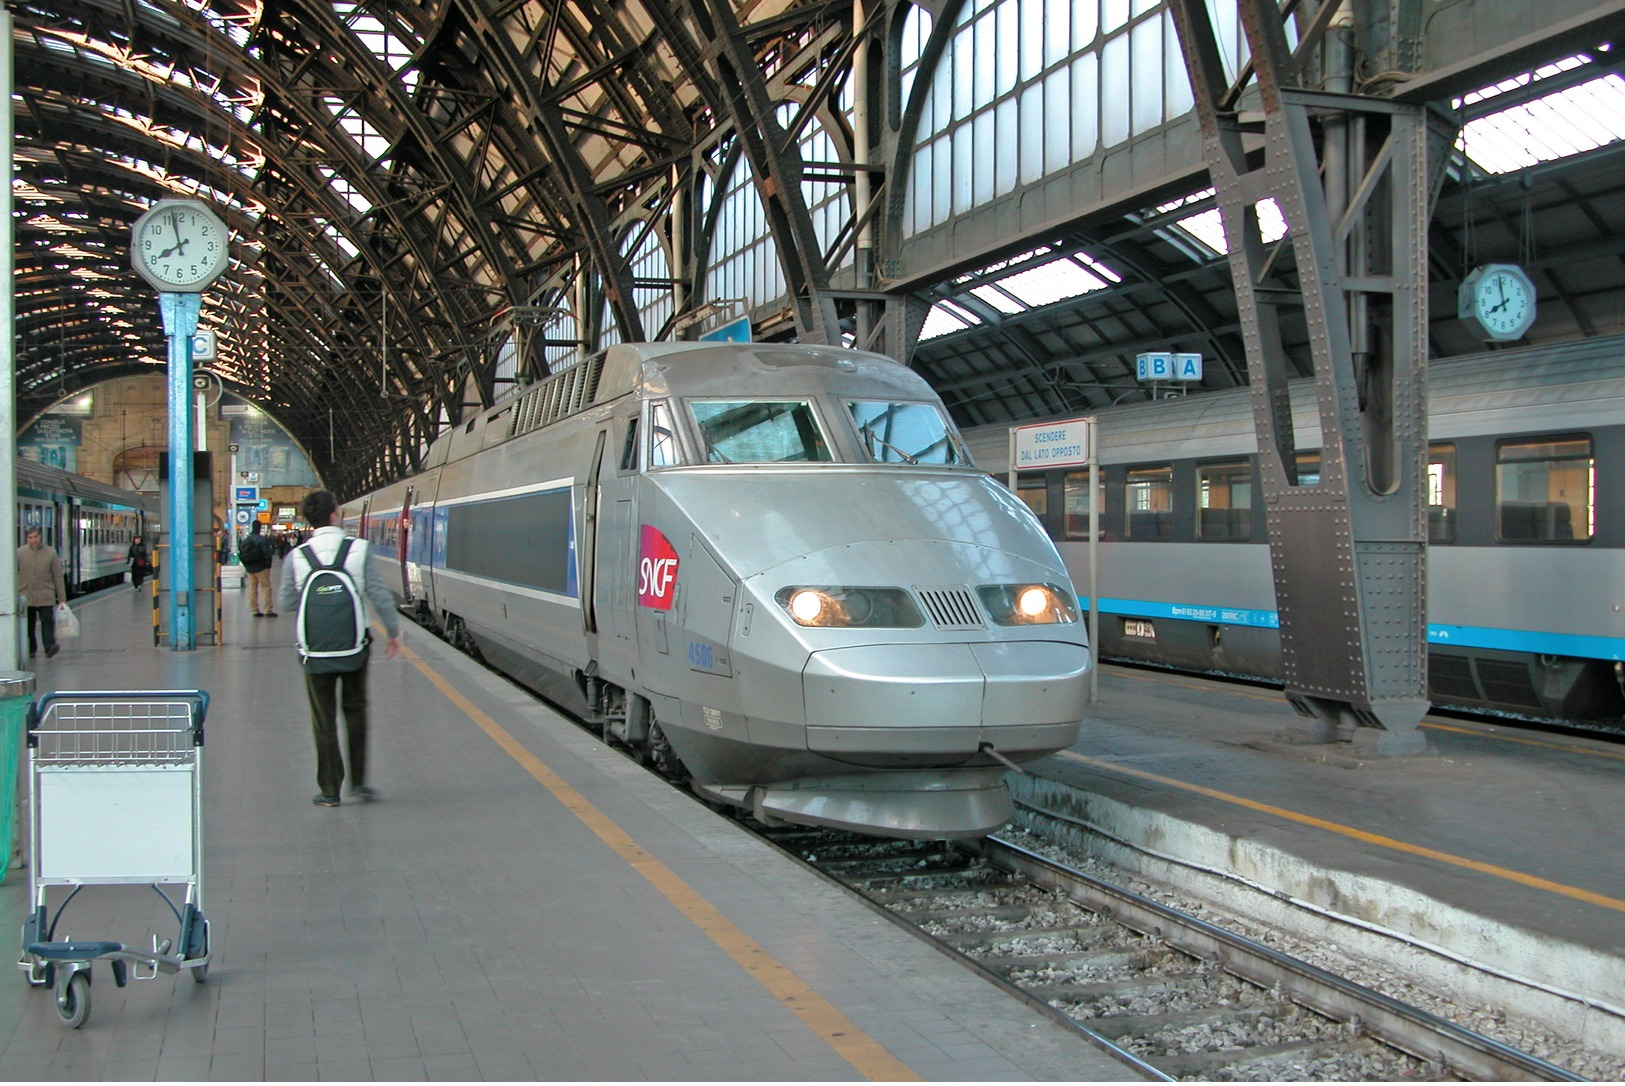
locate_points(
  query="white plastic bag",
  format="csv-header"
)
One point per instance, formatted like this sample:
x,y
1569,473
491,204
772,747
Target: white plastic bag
x,y
67,623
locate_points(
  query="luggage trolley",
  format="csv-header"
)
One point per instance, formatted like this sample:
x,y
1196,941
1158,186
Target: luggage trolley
x,y
115,798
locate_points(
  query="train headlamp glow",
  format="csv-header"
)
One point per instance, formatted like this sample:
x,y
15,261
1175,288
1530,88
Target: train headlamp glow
x,y
806,605
1027,604
849,606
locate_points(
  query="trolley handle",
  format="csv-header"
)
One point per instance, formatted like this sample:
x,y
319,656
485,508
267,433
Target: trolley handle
x,y
198,698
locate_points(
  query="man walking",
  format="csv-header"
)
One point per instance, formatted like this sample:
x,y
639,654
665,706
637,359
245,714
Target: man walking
x,y
39,578
335,685
255,552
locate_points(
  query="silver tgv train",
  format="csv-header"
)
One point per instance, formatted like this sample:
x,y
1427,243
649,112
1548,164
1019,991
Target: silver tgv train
x,y
769,570
1526,532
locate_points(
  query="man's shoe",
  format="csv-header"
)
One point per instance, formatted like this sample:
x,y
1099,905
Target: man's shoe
x,y
270,614
33,652
326,801
53,650
364,794
258,615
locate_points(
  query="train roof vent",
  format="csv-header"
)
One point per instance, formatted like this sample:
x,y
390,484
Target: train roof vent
x,y
557,396
951,607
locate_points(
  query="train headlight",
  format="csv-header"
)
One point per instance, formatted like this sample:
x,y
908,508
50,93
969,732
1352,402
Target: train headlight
x,y
1027,604
850,606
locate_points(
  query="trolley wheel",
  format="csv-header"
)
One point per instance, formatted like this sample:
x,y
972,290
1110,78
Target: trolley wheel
x,y
200,974
73,1001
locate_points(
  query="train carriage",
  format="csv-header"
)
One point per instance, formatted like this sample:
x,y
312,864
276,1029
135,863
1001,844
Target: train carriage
x,y
770,570
1526,531
90,524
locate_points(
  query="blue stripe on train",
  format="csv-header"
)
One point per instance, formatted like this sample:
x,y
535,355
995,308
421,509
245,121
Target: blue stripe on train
x,y
1476,637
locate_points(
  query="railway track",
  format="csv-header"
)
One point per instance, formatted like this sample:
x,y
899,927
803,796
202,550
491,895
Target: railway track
x,y
1169,994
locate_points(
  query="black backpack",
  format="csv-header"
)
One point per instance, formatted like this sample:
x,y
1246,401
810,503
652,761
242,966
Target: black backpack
x,y
252,549
332,622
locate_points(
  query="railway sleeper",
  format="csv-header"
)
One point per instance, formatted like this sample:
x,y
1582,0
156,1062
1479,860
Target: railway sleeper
x,y
1083,960
1283,1061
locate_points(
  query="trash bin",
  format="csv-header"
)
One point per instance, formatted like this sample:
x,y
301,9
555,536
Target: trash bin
x,y
16,695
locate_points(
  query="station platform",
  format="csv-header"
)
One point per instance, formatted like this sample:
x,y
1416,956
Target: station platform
x,y
1499,847
520,903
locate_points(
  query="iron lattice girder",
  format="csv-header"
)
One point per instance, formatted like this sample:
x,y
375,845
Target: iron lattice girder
x,y
1347,551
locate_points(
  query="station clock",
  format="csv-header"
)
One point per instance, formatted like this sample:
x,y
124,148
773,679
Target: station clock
x,y
1497,301
179,246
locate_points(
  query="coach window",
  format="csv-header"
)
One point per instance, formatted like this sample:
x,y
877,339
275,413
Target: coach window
x,y
1441,493
1034,490
1544,490
1149,497
629,450
1309,468
1224,501
663,449
1075,493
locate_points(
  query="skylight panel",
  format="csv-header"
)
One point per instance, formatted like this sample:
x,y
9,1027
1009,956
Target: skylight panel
x,y
1208,227
1052,282
998,299
944,319
1567,122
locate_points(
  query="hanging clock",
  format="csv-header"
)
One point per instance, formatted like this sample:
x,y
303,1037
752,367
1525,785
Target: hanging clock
x,y
1497,301
179,246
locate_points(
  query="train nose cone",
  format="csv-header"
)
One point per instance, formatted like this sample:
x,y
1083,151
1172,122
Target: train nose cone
x,y
945,701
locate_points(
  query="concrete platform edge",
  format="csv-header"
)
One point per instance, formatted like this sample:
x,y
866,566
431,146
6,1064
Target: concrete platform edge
x,y
1556,983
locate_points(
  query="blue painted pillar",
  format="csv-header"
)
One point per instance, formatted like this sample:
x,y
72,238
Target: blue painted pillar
x,y
180,312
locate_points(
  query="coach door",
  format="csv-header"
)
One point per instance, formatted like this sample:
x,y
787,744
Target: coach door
x,y
614,556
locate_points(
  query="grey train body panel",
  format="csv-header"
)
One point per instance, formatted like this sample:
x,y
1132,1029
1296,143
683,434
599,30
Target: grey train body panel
x,y
1529,627
631,553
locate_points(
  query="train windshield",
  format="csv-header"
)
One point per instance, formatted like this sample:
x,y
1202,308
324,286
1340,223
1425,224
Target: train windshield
x,y
905,433
759,431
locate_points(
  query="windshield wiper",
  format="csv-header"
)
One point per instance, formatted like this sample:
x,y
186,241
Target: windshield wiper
x,y
869,433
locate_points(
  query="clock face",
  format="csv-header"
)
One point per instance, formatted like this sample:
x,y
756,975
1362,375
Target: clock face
x,y
179,246
1502,301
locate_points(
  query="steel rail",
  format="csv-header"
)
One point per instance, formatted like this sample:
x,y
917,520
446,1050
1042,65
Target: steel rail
x,y
1410,1029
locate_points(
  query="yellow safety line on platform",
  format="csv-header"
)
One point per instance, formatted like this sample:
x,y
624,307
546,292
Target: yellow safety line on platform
x,y
866,1055
1575,892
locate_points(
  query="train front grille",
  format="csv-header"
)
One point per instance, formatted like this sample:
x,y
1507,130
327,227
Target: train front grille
x,y
952,607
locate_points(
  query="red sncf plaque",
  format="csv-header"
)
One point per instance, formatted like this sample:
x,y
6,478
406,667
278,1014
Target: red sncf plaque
x,y
657,570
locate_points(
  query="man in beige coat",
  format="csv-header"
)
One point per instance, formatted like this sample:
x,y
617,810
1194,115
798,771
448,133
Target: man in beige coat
x,y
39,578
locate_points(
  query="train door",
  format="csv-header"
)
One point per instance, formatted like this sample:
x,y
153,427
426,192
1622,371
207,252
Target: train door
x,y
587,575
614,550
403,535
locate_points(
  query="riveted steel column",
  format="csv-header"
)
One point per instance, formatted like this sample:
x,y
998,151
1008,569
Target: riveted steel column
x,y
1348,547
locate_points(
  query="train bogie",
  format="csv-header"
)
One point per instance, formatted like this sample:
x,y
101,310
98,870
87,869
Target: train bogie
x,y
773,572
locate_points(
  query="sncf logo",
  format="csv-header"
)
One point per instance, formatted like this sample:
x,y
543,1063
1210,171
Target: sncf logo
x,y
657,570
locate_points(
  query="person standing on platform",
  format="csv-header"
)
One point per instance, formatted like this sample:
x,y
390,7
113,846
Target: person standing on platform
x,y
256,553
331,690
39,578
140,561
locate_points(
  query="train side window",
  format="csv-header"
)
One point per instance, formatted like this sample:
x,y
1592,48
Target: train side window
x,y
1149,500
1441,494
1075,492
1034,490
1545,490
629,451
663,448
1224,501
1309,468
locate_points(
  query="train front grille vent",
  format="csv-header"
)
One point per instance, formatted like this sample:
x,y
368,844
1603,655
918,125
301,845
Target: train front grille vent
x,y
952,608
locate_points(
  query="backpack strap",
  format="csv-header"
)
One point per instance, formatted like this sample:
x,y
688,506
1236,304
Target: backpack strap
x,y
314,563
